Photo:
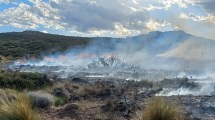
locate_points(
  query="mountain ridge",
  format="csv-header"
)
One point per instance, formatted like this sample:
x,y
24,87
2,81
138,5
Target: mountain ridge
x,y
43,33
171,44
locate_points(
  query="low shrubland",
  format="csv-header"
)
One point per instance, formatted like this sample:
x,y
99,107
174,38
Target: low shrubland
x,y
72,99
27,44
23,81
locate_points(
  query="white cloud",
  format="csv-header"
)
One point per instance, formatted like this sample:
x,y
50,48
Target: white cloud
x,y
209,18
26,16
112,17
180,3
153,25
83,16
8,1
121,30
150,7
45,31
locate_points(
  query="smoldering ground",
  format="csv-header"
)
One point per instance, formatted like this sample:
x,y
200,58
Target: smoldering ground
x,y
153,56
156,50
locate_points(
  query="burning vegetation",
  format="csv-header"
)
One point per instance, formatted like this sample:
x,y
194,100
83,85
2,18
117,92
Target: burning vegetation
x,y
99,81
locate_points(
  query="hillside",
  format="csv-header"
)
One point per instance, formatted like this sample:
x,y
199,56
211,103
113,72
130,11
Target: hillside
x,y
157,50
153,50
14,45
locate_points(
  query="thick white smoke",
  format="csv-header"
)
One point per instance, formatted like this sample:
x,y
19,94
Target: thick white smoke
x,y
159,51
205,89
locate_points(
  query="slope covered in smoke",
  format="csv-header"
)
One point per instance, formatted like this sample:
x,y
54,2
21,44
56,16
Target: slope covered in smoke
x,y
173,50
164,50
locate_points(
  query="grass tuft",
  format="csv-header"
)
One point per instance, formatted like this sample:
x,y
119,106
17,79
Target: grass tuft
x,y
41,99
159,109
18,109
58,101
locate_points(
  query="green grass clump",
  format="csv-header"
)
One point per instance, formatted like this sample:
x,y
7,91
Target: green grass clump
x,y
159,109
18,109
58,101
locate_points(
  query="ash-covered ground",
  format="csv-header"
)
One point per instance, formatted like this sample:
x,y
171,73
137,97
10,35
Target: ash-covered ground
x,y
193,90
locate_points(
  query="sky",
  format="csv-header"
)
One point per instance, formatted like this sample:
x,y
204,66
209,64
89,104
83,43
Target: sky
x,y
112,18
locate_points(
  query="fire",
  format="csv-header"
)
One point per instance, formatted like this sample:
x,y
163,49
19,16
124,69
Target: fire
x,y
85,55
108,55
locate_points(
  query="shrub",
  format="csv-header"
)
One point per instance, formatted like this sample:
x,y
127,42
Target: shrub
x,y
159,109
58,101
62,93
22,81
41,99
18,109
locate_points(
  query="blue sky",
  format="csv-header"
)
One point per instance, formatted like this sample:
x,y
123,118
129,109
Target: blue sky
x,y
115,18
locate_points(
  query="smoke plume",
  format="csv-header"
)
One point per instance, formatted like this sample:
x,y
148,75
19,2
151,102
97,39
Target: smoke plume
x,y
153,56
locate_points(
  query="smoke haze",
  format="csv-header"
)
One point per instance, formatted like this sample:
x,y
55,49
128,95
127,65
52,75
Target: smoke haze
x,y
157,50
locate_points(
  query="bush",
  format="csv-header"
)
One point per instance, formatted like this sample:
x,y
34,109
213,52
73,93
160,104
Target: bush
x,y
22,81
18,109
62,93
58,101
159,109
40,99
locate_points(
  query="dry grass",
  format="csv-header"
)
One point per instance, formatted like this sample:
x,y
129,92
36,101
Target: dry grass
x,y
7,94
159,109
18,109
3,94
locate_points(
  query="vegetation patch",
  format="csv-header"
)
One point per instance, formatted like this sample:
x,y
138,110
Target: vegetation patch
x,y
58,101
15,45
23,81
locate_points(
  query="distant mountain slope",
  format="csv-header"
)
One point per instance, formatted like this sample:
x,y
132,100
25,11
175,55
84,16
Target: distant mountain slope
x,y
159,50
159,44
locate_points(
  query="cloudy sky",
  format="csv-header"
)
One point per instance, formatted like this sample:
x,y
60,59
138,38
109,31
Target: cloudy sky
x,y
115,18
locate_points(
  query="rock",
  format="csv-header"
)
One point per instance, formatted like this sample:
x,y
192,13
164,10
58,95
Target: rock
x,y
121,107
71,107
79,80
104,93
195,118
